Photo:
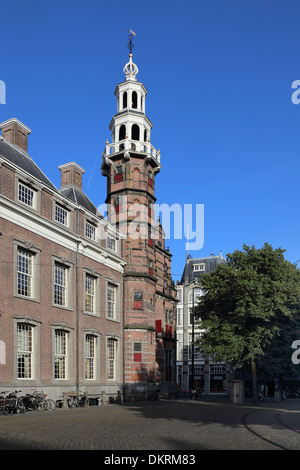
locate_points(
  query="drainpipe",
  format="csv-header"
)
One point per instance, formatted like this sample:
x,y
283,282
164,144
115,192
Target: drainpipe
x,y
123,326
77,309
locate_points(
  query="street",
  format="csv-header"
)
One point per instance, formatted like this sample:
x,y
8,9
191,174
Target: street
x,y
156,426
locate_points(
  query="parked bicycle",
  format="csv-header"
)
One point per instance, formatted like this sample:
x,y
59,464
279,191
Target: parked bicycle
x,y
77,401
37,400
155,395
11,403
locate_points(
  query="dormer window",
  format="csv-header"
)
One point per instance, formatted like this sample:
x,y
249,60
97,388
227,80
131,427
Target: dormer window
x,y
26,194
199,267
61,214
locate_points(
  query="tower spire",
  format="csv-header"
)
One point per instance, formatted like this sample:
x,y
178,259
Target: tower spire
x,y
130,43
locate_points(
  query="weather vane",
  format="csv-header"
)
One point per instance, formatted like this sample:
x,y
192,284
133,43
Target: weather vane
x,y
130,44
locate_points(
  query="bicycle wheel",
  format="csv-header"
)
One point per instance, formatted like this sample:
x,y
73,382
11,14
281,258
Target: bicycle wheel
x,y
49,404
7,410
21,407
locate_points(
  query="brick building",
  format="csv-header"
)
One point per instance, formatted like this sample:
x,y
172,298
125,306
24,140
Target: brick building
x,y
61,280
87,303
130,164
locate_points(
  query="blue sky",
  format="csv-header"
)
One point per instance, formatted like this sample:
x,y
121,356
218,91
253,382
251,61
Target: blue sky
x,y
219,76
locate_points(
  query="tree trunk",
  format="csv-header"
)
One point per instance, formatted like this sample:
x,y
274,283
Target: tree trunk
x,y
254,381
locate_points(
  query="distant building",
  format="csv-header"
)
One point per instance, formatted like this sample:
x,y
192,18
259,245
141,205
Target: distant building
x,y
193,369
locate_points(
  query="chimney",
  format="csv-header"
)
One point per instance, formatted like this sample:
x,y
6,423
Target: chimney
x,y
71,175
15,132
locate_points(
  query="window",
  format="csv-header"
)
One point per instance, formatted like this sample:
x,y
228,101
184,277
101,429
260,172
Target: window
x,y
179,351
150,268
90,349
179,316
180,295
26,280
196,292
61,214
24,273
135,132
117,205
111,243
90,291
150,241
60,362
90,231
137,352
150,179
111,301
199,267
111,359
60,284
119,174
134,99
125,99
26,194
138,300
24,351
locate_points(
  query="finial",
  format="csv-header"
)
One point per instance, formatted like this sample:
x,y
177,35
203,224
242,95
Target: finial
x,y
130,44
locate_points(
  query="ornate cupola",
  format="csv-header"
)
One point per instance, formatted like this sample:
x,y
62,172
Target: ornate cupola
x,y
130,127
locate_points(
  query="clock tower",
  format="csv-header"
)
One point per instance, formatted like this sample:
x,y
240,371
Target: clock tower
x,y
131,163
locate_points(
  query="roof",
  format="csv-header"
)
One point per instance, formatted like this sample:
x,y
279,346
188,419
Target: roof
x,y
78,197
19,158
211,262
23,161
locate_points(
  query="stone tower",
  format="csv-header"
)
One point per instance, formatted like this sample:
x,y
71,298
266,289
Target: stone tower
x,y
131,164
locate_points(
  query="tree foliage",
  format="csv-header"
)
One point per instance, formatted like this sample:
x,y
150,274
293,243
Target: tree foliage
x,y
251,304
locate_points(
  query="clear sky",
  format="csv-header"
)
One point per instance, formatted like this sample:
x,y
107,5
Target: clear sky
x,y
219,77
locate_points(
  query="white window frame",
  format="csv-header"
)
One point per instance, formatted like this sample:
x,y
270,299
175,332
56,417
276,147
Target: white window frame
x,y
111,243
61,354
199,267
90,230
33,255
90,350
66,286
32,352
27,193
112,302
62,215
111,358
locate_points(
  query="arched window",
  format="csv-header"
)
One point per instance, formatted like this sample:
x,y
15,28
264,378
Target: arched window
x,y
125,99
135,132
134,99
145,135
122,132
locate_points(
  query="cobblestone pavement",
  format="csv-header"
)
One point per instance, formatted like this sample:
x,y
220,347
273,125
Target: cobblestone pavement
x,y
163,425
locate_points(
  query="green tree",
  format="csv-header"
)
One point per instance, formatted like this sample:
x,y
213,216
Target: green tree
x,y
246,303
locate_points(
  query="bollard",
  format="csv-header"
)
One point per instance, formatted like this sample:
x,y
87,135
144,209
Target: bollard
x,y
103,399
65,401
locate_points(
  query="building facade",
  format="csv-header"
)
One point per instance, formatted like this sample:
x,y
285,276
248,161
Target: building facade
x,y
87,303
193,369
61,280
130,164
